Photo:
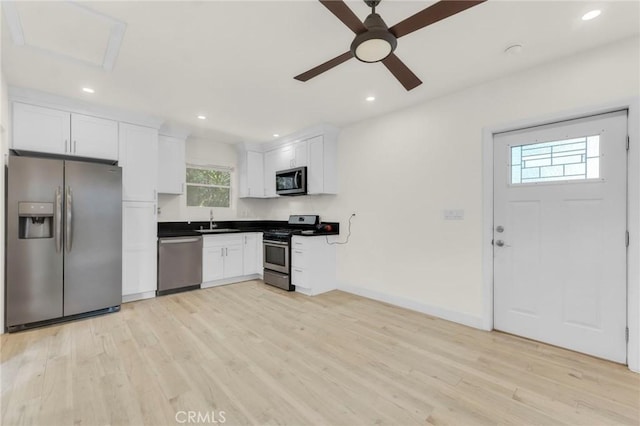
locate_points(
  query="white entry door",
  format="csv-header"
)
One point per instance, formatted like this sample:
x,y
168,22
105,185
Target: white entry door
x,y
560,234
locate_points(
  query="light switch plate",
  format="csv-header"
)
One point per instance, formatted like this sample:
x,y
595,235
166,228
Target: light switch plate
x,y
453,214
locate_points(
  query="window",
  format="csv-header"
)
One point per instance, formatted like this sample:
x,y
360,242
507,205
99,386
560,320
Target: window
x,y
569,159
208,186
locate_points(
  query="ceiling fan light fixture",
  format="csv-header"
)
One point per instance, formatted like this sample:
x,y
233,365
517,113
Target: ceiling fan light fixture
x,y
376,43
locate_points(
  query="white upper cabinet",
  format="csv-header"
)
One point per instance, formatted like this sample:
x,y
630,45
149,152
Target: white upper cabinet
x,y
291,155
171,165
255,174
322,173
53,131
139,162
316,149
271,165
315,171
41,129
251,174
94,137
299,154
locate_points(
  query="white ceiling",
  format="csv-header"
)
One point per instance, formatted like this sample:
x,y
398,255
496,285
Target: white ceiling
x,y
234,61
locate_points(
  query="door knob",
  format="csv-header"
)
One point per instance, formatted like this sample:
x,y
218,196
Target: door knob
x,y
499,228
500,243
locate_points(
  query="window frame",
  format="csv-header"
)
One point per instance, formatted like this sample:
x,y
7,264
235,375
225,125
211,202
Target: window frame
x,y
208,167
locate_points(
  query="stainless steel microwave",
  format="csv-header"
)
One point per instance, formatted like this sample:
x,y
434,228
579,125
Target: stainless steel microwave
x,y
291,181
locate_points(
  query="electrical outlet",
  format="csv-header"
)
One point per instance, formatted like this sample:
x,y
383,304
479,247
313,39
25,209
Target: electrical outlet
x,y
453,214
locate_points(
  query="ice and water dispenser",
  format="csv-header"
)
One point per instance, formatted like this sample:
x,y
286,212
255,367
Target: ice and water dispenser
x,y
36,220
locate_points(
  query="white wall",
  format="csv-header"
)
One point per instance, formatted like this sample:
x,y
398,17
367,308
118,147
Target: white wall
x,y
201,152
398,173
4,147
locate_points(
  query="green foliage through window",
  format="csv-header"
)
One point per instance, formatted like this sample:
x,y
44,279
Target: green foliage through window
x,y
208,187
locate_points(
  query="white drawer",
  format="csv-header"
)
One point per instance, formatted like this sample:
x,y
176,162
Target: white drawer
x,y
299,243
299,258
222,240
298,277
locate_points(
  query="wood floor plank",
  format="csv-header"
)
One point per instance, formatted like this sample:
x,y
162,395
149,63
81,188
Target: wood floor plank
x,y
258,355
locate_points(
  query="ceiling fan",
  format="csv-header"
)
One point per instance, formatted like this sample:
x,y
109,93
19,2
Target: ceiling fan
x,y
375,42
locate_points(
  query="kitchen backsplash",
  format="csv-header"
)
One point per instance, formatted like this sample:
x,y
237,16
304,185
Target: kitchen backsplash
x,y
173,208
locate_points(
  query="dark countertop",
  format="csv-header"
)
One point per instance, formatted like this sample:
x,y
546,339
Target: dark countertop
x,y
189,229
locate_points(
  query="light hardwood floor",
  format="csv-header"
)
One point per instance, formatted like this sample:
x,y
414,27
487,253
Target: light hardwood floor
x,y
263,356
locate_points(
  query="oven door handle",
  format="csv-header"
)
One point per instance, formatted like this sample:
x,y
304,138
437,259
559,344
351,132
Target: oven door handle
x,y
275,243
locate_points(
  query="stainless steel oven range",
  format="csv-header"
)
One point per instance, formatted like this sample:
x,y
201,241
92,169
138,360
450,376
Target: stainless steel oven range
x,y
277,250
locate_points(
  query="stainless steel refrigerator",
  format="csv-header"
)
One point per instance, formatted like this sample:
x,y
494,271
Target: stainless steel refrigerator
x,y
64,240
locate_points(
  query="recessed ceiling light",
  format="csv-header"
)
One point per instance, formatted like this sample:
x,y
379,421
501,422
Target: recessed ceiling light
x,y
275,135
370,98
590,15
88,90
202,117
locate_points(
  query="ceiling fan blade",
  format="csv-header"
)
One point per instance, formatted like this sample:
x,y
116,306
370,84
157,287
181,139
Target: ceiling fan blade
x,y
324,67
346,15
405,76
434,13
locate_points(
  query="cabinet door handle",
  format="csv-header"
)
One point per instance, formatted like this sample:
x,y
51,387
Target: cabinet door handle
x,y
226,252
183,188
66,143
75,146
155,194
221,252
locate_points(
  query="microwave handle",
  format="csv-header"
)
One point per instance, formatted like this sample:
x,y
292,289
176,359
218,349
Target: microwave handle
x,y
295,178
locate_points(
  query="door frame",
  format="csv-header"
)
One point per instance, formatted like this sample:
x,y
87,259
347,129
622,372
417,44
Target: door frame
x,y
633,211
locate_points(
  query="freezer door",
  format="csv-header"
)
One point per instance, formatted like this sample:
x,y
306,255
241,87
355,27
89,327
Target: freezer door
x,y
93,237
34,252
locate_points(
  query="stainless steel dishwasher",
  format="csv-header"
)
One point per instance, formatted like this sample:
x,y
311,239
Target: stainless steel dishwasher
x,y
179,264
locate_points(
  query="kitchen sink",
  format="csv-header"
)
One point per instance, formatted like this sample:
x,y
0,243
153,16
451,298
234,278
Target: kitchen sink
x,y
216,230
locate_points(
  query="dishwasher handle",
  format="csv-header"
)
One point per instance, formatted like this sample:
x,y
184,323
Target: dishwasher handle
x,y
179,240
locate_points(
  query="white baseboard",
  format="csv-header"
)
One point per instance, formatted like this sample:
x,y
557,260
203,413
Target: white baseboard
x,y
138,296
231,280
446,314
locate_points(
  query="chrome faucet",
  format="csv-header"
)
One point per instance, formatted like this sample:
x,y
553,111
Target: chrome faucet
x,y
211,224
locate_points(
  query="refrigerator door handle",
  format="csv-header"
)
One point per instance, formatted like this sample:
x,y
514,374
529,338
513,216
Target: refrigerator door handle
x,y
58,220
69,219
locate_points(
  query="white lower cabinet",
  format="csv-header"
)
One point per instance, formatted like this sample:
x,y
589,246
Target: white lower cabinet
x,y
252,253
313,265
139,250
212,261
224,257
